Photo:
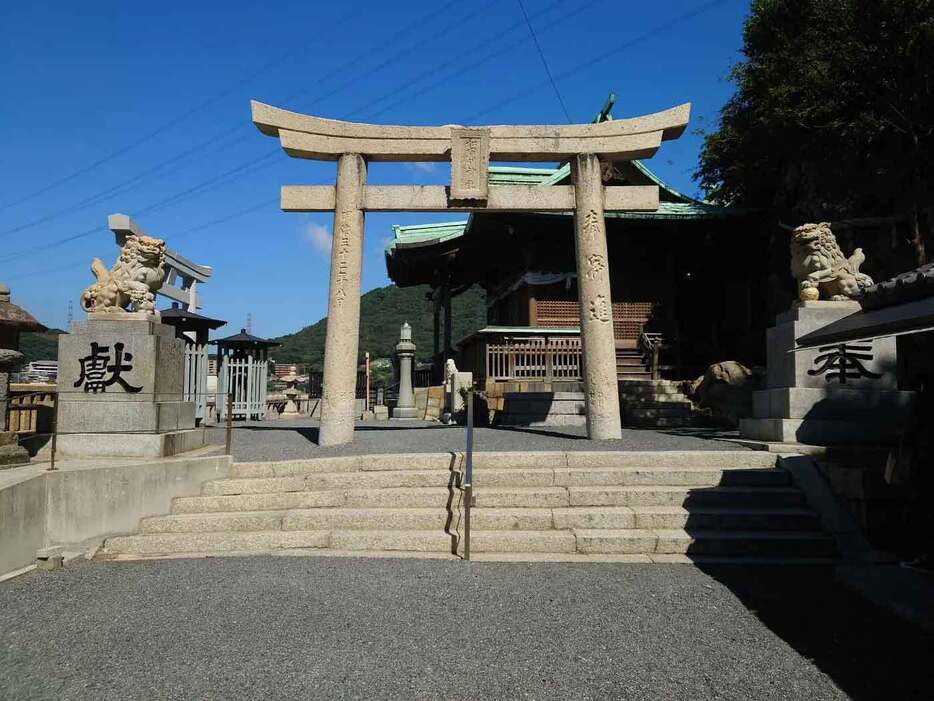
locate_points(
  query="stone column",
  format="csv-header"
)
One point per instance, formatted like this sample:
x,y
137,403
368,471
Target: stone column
x,y
596,309
405,349
340,345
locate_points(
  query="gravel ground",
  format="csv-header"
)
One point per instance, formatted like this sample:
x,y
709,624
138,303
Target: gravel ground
x,y
315,627
284,440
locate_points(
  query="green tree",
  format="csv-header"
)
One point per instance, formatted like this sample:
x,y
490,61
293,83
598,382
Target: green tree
x,y
382,312
833,116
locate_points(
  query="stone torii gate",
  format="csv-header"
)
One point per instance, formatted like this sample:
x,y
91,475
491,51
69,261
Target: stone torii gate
x,y
469,149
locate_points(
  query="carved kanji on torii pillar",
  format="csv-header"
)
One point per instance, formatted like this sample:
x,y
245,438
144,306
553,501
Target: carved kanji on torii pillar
x,y
469,149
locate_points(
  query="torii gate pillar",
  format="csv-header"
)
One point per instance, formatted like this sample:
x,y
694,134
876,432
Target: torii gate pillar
x,y
596,308
340,345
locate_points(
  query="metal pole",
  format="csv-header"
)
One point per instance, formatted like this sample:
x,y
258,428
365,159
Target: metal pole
x,y
54,428
468,474
229,420
366,398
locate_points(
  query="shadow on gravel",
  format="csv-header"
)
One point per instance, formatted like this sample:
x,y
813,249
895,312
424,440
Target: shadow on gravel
x,y
869,652
539,432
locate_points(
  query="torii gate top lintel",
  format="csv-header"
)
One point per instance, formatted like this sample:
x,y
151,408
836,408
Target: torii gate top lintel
x,y
306,136
470,150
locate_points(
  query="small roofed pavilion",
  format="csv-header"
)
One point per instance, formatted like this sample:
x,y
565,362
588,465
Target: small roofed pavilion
x,y
13,321
242,368
193,329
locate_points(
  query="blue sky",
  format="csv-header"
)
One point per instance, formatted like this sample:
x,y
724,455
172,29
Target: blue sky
x,y
143,109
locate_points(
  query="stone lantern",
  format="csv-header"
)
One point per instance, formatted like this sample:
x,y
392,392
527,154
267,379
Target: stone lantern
x,y
405,350
13,321
291,380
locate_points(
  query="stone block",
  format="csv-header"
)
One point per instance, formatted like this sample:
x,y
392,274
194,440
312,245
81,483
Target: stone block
x,y
135,445
820,311
11,453
831,403
787,367
821,431
120,379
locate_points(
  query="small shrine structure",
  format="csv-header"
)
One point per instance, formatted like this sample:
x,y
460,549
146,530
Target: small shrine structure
x,y
242,369
193,329
13,321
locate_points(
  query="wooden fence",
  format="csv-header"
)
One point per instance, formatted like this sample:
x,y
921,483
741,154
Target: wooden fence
x,y
534,359
246,378
196,377
31,407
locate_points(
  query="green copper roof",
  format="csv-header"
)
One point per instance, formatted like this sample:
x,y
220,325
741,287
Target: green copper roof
x,y
512,175
419,233
677,210
682,208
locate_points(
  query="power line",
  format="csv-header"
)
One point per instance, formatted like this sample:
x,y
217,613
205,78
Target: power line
x,y
541,55
658,29
127,186
435,69
121,188
464,68
600,57
173,237
150,135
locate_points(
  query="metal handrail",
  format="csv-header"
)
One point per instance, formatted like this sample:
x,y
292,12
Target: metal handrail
x,y
468,473
651,343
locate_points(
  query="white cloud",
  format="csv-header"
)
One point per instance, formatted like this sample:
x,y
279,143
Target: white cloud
x,y
422,166
319,237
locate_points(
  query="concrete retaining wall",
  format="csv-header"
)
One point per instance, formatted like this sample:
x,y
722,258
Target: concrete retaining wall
x,y
79,503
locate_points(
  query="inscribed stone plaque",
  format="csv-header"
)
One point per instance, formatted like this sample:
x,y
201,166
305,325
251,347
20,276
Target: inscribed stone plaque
x,y
470,159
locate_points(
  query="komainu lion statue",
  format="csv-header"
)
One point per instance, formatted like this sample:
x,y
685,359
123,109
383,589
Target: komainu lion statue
x,y
132,282
820,268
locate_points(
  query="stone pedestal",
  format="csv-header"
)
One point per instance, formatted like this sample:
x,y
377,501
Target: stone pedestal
x,y
842,393
121,384
454,399
11,452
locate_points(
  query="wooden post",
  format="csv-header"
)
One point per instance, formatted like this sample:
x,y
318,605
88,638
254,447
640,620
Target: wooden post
x,y
596,306
341,342
54,429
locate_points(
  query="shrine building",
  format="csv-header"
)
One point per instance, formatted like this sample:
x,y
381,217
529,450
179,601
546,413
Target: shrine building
x,y
690,283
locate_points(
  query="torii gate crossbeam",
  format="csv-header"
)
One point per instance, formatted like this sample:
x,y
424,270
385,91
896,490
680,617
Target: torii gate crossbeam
x,y
469,150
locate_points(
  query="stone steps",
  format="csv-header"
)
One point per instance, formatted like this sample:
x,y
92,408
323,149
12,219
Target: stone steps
x,y
655,404
719,459
584,541
680,542
487,477
727,504
487,519
542,409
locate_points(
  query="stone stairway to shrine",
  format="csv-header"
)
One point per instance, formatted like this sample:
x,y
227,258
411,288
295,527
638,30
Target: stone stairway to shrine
x,y
643,506
655,404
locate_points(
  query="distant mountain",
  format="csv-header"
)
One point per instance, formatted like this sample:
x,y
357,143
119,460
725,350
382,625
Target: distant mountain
x,y
40,346
382,312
